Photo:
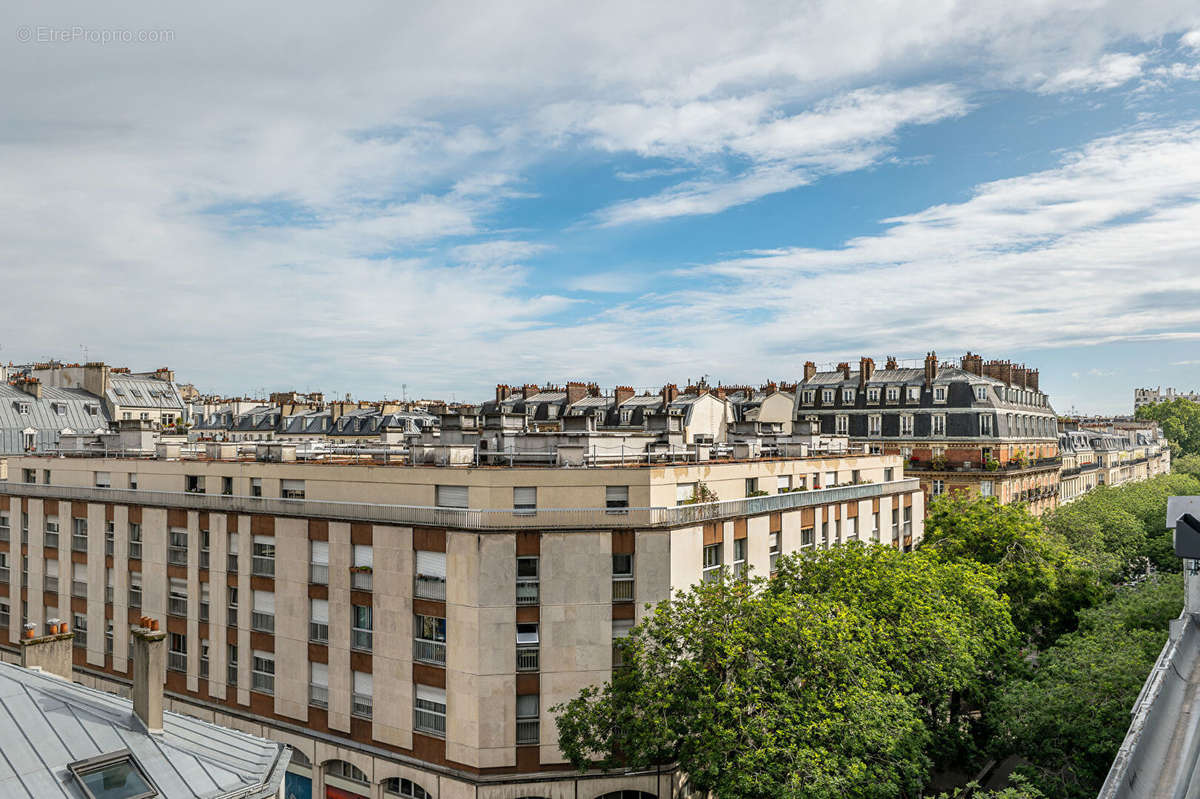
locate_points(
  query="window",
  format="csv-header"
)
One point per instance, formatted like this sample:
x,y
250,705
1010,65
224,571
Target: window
x,y
361,695
684,493
262,613
135,589
751,485
133,481
227,486
847,396
115,775
527,580
893,393
616,498
50,538
263,561
80,620
981,393
360,572
985,424
429,710
808,397
527,646
429,641
177,653
852,528
291,489
939,424
527,719
808,537
397,786
872,395
622,577
177,595
194,484
739,557
939,394
451,496
827,396
50,579
177,547
939,487
135,541
430,575
102,479
712,562
773,547
318,620
783,484
256,486
318,684
318,564
889,474
842,425
831,479
231,670
874,424
361,628
110,538
906,424
525,499
986,488
914,393
262,677
79,535
79,580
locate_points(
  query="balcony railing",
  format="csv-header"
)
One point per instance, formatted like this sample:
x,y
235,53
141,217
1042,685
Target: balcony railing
x,y
527,731
429,721
527,592
527,658
262,567
318,631
362,639
429,588
318,695
360,581
318,573
429,651
177,605
177,661
360,705
465,518
622,589
262,622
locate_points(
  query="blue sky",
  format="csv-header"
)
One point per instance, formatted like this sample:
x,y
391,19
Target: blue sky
x,y
372,199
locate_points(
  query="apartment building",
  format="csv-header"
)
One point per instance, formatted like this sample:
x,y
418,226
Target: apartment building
x,y
1109,452
1153,396
406,629
983,428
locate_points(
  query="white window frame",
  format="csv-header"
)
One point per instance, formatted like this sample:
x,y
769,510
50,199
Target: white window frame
x,y
906,424
875,424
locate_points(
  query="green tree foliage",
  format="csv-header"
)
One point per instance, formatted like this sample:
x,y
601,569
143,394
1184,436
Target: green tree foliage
x,y
1019,789
1044,579
1180,421
822,682
1069,716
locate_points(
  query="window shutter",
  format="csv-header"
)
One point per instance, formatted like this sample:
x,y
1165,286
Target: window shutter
x,y
683,491
363,555
452,496
429,694
320,553
783,481
618,494
431,564
265,539
363,683
52,568
264,602
135,579
320,674
524,497
320,611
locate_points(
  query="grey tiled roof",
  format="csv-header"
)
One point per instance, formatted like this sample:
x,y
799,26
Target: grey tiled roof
x,y
44,417
47,723
143,392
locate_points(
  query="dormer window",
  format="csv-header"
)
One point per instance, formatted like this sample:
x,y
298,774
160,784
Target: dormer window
x,y
847,395
827,396
981,393
22,407
939,394
893,393
60,408
872,395
914,393
135,393
92,410
808,397
120,392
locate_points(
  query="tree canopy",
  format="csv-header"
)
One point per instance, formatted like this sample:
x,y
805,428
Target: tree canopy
x,y
1180,421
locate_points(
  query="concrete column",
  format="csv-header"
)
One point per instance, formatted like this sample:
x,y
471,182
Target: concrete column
x,y
193,605
95,584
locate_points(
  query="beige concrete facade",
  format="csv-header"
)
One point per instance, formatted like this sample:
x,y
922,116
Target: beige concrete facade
x,y
384,734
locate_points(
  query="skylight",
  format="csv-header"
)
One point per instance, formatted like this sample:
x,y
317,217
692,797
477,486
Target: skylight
x,y
116,775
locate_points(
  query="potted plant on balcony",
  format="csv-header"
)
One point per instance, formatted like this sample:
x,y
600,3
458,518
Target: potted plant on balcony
x,y
939,463
991,464
701,493
360,569
758,493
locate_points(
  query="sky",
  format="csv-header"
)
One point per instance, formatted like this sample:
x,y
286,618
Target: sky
x,y
402,199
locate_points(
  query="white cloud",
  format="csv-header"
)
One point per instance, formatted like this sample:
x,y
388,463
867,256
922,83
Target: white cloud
x,y
1112,70
1191,40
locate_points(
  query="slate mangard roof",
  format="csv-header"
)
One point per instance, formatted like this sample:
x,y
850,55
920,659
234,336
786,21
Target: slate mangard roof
x,y
47,723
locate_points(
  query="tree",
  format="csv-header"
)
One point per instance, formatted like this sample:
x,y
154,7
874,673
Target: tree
x,y
817,683
1070,715
1044,580
1180,421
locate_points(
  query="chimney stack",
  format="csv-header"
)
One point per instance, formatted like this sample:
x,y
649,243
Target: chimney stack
x,y
1031,379
844,368
931,368
31,386
891,362
973,363
502,392
52,652
810,369
576,392
1018,375
669,392
866,369
622,393
149,673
